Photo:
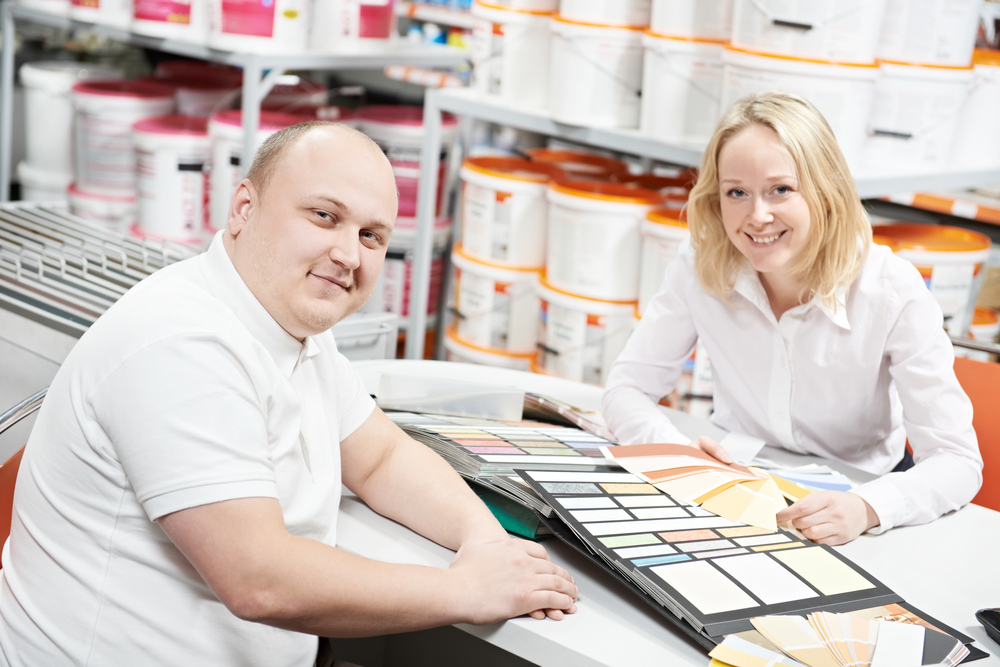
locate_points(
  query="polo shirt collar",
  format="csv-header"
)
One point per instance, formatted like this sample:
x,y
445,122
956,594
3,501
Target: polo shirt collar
x,y
748,286
227,284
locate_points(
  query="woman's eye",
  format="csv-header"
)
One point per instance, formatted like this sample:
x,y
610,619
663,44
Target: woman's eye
x,y
736,192
782,190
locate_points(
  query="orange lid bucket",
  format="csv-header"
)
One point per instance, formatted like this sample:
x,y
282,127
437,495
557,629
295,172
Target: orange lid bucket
x,y
933,238
579,164
685,179
606,191
668,216
514,168
985,317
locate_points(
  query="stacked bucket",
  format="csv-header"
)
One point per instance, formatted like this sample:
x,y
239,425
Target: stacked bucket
x,y
556,251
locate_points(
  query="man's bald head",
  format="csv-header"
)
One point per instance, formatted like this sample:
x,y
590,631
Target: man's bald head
x,y
271,152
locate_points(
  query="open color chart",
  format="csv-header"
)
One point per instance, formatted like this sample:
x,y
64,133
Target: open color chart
x,y
715,573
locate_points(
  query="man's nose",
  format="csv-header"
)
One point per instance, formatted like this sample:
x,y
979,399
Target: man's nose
x,y
346,250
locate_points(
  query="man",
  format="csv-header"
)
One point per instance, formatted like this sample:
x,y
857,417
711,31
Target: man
x,y
178,497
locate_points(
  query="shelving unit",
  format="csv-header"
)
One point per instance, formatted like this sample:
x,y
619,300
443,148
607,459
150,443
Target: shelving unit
x,y
260,71
455,18
471,103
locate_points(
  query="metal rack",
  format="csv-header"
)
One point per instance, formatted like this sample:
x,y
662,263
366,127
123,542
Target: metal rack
x,y
64,274
260,71
473,104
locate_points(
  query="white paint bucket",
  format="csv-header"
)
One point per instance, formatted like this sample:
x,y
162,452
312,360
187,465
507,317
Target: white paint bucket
x,y
510,54
115,212
579,338
294,94
664,231
117,13
681,88
464,352
204,98
184,20
580,164
496,306
56,7
504,210
48,111
914,118
272,26
595,75
226,131
931,32
700,19
843,93
977,144
392,292
172,152
200,88
105,113
951,261
399,131
40,184
351,23
631,13
594,240
845,31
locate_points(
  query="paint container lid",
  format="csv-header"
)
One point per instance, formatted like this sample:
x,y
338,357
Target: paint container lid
x,y
269,120
175,124
59,76
985,317
189,72
138,88
559,19
669,217
986,57
934,238
891,244
604,191
684,180
579,164
513,168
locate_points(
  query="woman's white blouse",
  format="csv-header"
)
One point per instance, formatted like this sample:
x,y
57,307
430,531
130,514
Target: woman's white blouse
x,y
851,383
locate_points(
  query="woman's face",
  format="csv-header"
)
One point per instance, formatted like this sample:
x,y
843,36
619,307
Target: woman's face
x,y
763,210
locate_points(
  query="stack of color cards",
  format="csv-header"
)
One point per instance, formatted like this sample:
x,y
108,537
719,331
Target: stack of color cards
x,y
823,639
488,451
713,572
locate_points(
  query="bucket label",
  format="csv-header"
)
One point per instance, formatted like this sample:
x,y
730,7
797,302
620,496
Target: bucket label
x,y
248,17
105,154
165,11
170,193
486,220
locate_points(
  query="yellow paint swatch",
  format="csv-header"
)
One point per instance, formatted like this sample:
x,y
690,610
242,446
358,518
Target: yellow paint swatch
x,y
827,573
775,547
629,488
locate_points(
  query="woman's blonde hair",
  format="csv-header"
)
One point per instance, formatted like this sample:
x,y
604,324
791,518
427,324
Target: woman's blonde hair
x,y
840,229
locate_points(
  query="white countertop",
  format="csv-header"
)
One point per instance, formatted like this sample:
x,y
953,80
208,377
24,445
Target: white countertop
x,y
942,568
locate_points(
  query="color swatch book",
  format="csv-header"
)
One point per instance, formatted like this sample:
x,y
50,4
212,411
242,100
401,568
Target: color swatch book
x,y
712,572
488,451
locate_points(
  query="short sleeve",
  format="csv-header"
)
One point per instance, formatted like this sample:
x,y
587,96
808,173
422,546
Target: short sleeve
x,y
187,425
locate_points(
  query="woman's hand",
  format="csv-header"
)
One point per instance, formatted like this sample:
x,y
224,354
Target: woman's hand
x,y
712,448
830,517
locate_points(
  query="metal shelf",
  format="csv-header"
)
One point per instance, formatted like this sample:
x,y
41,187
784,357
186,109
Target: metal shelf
x,y
455,18
255,84
468,102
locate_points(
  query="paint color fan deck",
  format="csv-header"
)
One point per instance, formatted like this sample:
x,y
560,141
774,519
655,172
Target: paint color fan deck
x,y
714,573
488,451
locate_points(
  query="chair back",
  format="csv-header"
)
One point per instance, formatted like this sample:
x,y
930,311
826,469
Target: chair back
x,y
981,381
8,475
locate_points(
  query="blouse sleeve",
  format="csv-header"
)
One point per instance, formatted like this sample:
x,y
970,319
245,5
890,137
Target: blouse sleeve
x,y
937,416
650,364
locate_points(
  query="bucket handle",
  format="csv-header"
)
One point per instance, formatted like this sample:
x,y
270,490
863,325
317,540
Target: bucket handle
x,y
597,65
906,136
671,69
799,25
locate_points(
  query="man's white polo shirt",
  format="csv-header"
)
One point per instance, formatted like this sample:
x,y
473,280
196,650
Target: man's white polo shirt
x,y
186,392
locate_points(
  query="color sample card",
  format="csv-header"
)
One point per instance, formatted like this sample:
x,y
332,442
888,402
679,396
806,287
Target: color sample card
x,y
483,447
714,572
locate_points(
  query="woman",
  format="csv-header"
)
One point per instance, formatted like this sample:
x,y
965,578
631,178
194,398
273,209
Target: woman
x,y
820,341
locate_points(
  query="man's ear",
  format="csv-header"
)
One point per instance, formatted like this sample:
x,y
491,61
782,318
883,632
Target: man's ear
x,y
244,201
